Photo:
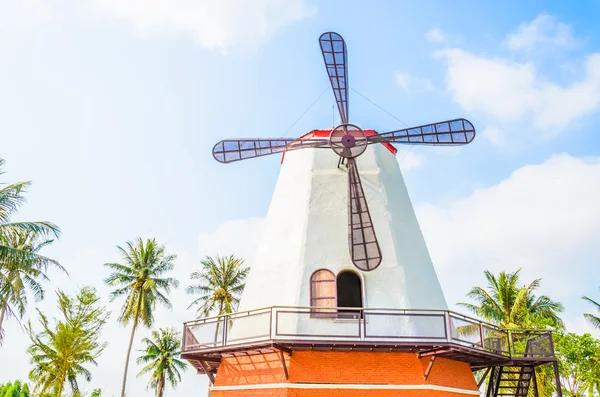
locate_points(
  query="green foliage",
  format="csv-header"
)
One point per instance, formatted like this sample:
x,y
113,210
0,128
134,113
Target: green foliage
x,y
96,393
59,351
221,284
160,359
21,265
14,389
579,363
139,279
593,319
510,304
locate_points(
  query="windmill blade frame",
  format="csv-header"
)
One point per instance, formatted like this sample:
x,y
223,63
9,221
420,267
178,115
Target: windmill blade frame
x,y
449,132
335,56
231,150
362,240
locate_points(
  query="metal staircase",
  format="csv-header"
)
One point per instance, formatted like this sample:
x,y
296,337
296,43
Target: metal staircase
x,y
511,381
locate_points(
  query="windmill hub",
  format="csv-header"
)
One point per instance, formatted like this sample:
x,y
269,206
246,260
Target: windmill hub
x,y
348,140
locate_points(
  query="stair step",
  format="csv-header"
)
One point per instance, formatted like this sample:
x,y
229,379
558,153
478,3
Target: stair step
x,y
511,381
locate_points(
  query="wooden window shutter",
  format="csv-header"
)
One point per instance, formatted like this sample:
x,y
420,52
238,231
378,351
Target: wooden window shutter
x,y
323,294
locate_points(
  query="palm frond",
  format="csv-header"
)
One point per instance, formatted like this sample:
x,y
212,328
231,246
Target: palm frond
x,y
160,357
22,268
507,303
40,228
138,278
592,319
221,282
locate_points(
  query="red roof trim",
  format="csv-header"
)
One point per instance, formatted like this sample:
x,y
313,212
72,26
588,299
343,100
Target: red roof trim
x,y
325,134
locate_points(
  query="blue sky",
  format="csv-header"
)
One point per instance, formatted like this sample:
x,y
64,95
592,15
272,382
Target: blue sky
x,y
112,107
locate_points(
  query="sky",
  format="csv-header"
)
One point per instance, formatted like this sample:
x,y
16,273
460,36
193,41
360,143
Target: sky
x,y
111,108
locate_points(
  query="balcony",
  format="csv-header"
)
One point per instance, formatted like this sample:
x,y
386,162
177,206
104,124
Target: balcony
x,y
440,333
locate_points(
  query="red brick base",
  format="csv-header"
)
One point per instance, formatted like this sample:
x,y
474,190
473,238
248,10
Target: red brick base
x,y
318,374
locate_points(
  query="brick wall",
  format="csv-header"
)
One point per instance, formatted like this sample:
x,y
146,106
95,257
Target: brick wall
x,y
343,368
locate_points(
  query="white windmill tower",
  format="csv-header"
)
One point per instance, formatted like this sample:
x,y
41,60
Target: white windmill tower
x,y
385,252
316,299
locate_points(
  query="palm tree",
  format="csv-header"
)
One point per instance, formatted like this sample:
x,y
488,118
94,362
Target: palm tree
x,y
593,319
160,356
16,277
60,352
19,255
220,287
139,280
511,305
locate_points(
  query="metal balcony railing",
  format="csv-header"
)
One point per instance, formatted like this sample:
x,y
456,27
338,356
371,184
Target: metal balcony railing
x,y
362,326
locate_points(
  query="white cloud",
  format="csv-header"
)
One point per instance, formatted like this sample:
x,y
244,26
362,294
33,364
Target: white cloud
x,y
544,218
510,91
238,237
513,96
410,83
544,30
435,35
220,25
409,160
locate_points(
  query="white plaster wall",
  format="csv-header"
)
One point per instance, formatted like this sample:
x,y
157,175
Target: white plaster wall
x,y
306,230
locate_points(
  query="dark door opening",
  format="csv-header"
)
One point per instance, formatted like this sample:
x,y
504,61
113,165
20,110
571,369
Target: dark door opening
x,y
349,295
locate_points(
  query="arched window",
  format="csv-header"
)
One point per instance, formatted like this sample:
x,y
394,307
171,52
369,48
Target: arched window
x,y
349,294
322,294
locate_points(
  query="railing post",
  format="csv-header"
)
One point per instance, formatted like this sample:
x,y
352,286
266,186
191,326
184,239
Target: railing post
x,y
448,325
364,324
360,323
551,344
225,329
481,336
271,323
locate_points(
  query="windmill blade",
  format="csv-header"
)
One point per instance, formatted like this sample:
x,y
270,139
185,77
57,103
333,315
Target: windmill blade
x,y
364,248
230,150
335,56
451,132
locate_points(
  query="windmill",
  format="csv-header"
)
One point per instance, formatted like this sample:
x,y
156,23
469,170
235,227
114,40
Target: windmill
x,y
310,323
349,141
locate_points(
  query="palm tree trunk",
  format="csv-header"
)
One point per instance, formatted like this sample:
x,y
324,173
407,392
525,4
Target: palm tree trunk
x,y
61,380
2,314
135,321
59,389
160,387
